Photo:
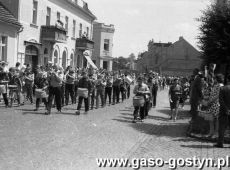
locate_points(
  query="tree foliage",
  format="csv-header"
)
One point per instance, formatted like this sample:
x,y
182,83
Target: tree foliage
x,y
214,38
120,63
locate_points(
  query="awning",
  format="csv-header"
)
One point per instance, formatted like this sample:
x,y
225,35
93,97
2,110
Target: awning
x,y
90,61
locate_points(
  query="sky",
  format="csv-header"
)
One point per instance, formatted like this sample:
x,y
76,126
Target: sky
x,y
138,21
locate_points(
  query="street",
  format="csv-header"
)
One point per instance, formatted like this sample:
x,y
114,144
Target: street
x,y
64,141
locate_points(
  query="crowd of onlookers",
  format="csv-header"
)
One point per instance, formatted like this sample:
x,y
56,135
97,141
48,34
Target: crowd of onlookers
x,y
209,99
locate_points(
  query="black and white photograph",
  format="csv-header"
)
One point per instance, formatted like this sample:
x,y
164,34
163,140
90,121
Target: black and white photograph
x,y
114,84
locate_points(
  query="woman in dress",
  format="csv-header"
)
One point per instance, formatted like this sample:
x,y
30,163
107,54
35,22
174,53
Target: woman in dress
x,y
213,107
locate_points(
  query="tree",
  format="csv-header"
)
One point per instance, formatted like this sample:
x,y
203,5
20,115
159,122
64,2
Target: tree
x,y
214,38
132,57
120,63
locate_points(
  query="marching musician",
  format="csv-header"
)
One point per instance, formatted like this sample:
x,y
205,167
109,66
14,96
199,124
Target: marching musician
x,y
100,91
84,83
41,84
116,88
109,88
15,81
69,86
93,90
4,79
127,87
123,88
55,82
141,89
29,82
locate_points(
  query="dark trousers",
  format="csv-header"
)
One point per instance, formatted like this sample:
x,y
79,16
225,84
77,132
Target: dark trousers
x,y
63,94
138,109
154,96
128,92
193,110
54,92
92,99
116,93
75,93
224,122
108,92
101,93
38,102
147,107
69,91
86,100
5,99
29,92
123,93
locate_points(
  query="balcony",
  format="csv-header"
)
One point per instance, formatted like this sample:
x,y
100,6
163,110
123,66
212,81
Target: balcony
x,y
53,34
84,44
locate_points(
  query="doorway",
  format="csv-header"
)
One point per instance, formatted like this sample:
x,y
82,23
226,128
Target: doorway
x,y
31,56
105,65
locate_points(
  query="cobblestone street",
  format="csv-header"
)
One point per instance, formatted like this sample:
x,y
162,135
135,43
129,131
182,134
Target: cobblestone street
x,y
64,141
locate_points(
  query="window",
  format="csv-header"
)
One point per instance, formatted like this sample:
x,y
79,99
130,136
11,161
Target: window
x,y
74,28
87,32
3,48
35,12
80,30
58,16
48,16
71,60
46,56
66,23
106,44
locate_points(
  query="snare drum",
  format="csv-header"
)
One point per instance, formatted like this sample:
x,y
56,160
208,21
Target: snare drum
x,y
40,93
128,80
2,89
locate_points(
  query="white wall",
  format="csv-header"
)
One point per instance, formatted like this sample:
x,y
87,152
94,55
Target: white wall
x,y
11,33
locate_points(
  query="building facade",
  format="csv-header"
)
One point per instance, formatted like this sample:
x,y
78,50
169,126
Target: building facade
x,y
103,39
179,58
9,30
53,30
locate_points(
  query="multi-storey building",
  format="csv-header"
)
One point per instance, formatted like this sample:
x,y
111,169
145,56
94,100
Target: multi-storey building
x,y
9,29
53,31
103,39
179,58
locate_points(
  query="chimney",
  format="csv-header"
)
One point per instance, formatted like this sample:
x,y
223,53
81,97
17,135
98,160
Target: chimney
x,y
181,38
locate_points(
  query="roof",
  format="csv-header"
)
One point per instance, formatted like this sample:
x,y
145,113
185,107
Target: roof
x,y
7,17
85,9
162,44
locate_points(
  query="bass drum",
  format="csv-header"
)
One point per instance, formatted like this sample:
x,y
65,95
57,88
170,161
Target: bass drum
x,y
138,101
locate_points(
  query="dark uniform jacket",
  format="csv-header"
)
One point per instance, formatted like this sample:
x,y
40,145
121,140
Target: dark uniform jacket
x,y
224,99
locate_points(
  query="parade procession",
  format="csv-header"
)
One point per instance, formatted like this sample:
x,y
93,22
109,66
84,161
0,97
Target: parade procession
x,y
149,91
